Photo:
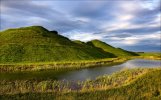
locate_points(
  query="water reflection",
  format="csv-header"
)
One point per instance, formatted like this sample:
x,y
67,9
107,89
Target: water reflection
x,y
92,73
141,63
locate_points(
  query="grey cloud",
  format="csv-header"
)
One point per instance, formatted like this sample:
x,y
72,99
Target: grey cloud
x,y
143,48
95,10
143,30
146,16
144,45
26,9
123,35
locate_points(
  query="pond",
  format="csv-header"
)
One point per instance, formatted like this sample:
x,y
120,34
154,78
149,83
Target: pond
x,y
81,74
92,73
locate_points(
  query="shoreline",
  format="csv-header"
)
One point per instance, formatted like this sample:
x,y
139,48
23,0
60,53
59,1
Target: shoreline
x,y
67,65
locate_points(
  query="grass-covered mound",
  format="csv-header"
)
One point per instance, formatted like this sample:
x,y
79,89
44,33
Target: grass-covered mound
x,y
37,44
111,49
134,84
150,55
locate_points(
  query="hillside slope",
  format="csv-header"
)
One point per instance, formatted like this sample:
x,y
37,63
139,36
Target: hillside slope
x,y
111,49
35,44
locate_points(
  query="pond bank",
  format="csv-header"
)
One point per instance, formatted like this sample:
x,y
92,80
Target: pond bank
x,y
70,65
58,66
119,79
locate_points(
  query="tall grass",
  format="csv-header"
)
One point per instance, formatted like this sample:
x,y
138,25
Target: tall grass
x,y
58,65
118,79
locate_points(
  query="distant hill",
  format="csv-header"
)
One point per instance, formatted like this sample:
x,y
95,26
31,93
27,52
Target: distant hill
x,y
110,49
37,44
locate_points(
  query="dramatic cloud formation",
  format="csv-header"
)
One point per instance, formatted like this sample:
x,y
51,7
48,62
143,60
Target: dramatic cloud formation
x,y
130,24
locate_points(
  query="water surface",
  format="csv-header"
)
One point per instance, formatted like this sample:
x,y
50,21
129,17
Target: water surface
x,y
92,73
81,74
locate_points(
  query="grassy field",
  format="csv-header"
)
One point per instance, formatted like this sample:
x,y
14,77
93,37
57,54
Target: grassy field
x,y
128,84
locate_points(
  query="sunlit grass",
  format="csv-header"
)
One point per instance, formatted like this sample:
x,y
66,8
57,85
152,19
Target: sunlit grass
x,y
134,83
68,65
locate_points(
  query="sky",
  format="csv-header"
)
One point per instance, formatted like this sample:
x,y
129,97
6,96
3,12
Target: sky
x,y
129,24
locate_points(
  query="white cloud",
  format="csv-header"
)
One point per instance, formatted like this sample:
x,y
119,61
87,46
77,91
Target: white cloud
x,y
36,20
135,39
149,4
126,17
83,36
129,6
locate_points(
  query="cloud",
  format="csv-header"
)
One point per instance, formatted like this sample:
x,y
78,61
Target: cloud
x,y
22,11
77,35
122,23
143,42
150,4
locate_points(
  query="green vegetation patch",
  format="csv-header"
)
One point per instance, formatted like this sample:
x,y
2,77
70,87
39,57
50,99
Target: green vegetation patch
x,y
66,65
127,84
111,49
37,44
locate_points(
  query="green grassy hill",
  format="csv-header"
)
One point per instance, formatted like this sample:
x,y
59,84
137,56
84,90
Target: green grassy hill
x,y
37,44
111,49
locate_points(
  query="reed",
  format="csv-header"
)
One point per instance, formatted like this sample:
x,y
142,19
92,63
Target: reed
x,y
106,82
59,65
